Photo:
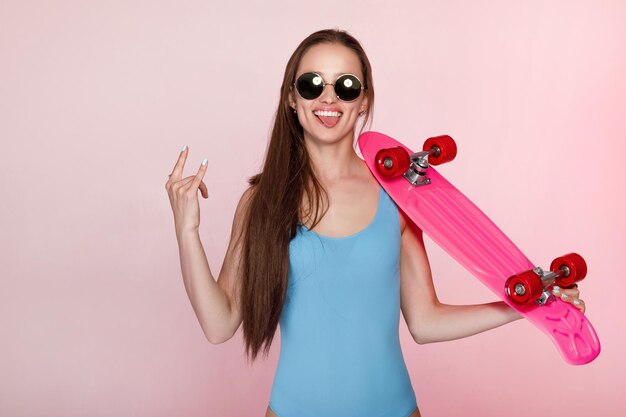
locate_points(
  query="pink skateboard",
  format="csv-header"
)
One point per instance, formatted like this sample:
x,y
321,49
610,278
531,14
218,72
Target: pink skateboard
x,y
469,236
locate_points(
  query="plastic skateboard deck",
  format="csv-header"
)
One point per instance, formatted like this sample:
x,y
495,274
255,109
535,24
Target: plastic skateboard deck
x,y
456,224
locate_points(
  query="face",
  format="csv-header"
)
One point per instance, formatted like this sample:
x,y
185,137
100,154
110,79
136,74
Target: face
x,y
329,61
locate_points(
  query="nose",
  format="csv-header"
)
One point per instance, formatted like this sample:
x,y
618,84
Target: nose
x,y
328,94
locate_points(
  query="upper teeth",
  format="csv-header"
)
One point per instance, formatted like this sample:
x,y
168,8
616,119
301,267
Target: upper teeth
x,y
327,113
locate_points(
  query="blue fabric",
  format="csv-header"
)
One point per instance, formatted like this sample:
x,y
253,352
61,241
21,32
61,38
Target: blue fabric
x,y
340,352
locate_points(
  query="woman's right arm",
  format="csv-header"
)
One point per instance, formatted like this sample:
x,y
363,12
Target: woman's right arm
x,y
215,303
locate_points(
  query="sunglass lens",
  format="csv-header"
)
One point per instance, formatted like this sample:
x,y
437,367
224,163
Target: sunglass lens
x,y
310,85
348,87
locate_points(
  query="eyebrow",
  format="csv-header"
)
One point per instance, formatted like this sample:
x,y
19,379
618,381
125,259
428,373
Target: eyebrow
x,y
324,74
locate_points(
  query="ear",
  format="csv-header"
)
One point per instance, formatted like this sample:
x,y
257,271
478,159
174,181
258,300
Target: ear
x,y
291,98
364,104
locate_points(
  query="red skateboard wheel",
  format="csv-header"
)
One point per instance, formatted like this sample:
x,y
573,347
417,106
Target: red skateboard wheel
x,y
524,288
392,162
447,149
576,265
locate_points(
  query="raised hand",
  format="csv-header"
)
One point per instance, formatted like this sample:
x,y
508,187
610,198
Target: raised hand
x,y
183,194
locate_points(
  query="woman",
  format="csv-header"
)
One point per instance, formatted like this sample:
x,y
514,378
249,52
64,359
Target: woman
x,y
319,246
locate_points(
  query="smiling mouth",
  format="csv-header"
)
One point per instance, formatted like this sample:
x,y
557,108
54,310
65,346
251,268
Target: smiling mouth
x,y
328,118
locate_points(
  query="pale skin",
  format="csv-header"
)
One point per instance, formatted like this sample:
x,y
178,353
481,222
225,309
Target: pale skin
x,y
346,179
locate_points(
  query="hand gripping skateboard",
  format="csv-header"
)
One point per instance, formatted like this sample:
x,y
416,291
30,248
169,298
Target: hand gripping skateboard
x,y
469,236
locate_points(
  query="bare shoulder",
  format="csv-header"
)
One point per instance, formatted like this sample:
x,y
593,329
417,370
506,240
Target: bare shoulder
x,y
229,278
244,201
241,213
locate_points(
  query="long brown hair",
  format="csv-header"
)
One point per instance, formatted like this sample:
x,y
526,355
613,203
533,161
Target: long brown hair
x,y
274,206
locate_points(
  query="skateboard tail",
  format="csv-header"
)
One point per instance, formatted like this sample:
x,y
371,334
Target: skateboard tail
x,y
572,333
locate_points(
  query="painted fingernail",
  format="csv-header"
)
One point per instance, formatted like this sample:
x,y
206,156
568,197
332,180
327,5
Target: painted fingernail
x,y
556,290
577,302
204,161
184,147
564,296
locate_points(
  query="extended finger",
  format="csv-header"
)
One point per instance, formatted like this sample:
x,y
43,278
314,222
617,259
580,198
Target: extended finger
x,y
177,172
195,184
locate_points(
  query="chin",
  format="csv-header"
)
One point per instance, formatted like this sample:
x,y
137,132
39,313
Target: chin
x,y
328,135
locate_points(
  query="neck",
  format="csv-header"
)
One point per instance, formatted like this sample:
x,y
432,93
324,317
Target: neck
x,y
334,161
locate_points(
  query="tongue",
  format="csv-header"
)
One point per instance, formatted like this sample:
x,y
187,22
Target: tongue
x,y
329,121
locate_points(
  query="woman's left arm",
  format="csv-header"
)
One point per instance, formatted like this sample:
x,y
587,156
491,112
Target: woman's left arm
x,y
431,321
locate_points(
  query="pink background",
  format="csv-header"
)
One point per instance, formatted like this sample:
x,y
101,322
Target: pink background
x,y
97,99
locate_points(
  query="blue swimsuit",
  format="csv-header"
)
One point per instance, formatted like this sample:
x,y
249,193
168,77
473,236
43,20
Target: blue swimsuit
x,y
340,352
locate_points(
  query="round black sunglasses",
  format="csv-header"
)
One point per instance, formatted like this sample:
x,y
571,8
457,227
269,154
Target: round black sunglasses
x,y
310,85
